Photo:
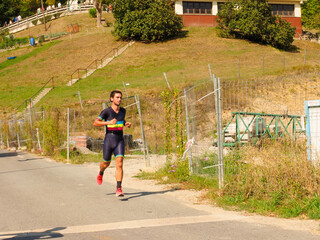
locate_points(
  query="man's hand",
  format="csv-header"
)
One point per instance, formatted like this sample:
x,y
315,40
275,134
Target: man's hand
x,y
128,124
112,122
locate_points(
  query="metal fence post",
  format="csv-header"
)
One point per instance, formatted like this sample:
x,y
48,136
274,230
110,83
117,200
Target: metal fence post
x,y
80,100
1,134
43,136
217,94
68,138
18,140
145,145
188,130
220,145
38,139
239,68
125,89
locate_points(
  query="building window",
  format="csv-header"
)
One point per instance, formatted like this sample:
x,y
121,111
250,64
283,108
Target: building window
x,y
283,9
220,5
197,7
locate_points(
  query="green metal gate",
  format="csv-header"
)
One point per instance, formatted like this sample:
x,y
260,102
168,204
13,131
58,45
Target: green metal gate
x,y
258,125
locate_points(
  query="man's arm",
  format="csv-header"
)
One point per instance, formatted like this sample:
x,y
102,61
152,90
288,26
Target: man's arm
x,y
99,123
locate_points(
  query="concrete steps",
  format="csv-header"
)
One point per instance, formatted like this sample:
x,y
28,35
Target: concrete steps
x,y
44,92
104,63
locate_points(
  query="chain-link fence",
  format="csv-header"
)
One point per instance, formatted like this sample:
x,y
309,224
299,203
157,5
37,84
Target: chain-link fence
x,y
251,109
69,131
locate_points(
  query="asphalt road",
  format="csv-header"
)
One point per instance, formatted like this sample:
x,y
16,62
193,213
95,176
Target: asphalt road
x,y
42,199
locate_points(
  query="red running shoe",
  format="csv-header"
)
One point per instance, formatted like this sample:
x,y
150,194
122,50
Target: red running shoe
x,y
119,193
99,179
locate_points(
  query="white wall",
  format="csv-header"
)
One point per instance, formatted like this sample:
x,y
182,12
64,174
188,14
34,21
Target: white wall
x,y
214,8
297,10
178,7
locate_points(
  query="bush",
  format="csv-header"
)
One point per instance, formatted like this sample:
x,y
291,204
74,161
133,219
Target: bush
x,y
253,20
93,12
147,20
311,14
10,41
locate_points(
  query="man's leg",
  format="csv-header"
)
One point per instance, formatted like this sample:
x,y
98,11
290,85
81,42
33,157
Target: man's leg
x,y
119,169
103,166
107,151
119,175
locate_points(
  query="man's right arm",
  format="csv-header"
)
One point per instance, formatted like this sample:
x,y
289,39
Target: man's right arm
x,y
99,123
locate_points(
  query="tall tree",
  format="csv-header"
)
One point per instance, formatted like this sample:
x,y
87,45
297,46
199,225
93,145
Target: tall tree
x,y
29,7
98,4
253,20
9,10
145,20
311,14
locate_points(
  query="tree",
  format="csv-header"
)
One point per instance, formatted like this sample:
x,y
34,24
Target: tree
x,y
145,20
311,14
253,20
29,7
9,10
98,4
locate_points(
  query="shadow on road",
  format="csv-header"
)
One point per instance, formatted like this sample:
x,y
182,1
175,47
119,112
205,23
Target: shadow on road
x,y
48,234
142,194
28,159
8,154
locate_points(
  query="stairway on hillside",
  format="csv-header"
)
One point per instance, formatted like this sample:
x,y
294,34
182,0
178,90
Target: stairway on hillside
x,y
103,64
44,92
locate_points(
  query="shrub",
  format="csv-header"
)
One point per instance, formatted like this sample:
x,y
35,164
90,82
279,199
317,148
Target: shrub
x,y
147,20
311,14
93,12
10,41
253,20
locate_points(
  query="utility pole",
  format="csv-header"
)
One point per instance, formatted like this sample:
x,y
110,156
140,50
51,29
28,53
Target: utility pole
x,y
44,17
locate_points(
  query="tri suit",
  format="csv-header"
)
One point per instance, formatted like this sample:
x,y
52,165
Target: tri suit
x,y
113,141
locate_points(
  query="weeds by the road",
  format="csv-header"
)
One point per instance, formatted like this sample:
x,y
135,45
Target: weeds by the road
x,y
272,178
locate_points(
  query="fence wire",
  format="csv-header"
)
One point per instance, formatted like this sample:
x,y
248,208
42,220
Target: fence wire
x,y
44,130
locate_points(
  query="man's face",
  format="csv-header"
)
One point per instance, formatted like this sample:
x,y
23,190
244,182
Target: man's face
x,y
117,99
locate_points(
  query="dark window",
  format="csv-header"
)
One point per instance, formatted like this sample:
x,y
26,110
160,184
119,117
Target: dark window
x,y
283,9
197,7
220,4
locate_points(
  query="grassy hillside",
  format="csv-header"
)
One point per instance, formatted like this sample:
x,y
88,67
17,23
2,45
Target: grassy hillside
x,y
185,60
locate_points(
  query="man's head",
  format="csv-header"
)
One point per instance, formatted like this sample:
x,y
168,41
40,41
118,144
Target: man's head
x,y
116,97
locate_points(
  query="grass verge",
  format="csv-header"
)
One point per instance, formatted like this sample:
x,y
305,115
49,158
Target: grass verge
x,y
37,49
274,178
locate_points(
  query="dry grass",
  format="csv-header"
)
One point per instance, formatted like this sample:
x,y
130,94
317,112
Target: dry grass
x,y
275,167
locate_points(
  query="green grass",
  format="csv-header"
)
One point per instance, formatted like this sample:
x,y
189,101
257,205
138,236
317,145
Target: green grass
x,y
185,60
37,49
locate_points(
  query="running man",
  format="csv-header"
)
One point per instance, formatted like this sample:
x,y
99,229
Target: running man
x,y
114,118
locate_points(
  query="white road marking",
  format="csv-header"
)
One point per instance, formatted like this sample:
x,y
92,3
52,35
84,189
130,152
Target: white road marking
x,y
159,222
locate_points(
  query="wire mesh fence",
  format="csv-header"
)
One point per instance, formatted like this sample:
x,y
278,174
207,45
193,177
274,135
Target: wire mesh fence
x,y
68,130
252,109
266,107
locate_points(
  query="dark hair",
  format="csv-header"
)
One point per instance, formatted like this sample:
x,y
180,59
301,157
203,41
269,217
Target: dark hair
x,y
114,92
